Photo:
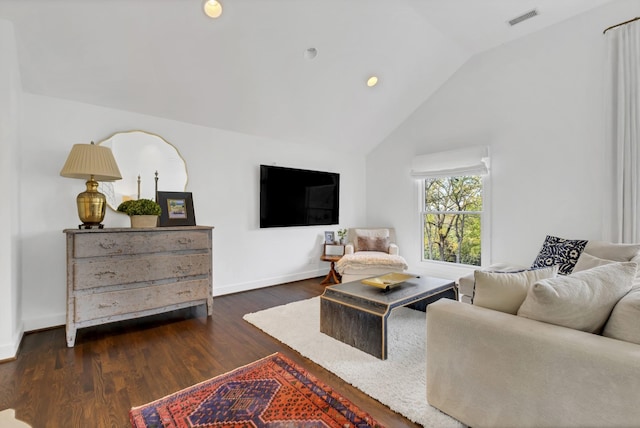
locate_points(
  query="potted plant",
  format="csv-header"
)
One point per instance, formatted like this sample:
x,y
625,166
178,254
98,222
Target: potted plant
x,y
142,212
342,234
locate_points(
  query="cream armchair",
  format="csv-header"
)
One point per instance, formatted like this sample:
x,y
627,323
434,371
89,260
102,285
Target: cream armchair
x,y
370,252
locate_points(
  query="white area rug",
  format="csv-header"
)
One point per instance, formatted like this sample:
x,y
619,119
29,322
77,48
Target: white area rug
x,y
8,420
398,382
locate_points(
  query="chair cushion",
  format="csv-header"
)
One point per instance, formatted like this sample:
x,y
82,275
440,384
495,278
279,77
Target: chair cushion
x,y
583,300
624,322
559,251
505,291
366,260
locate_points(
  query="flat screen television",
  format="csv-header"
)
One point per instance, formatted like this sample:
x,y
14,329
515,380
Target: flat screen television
x,y
298,197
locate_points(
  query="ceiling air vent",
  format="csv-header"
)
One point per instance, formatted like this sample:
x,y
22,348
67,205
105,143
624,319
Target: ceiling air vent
x,y
523,17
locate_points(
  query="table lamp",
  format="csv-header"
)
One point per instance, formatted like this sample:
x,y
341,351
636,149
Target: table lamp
x,y
93,163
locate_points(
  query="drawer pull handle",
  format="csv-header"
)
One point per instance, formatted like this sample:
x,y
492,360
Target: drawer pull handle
x,y
107,305
107,245
180,293
181,269
108,273
184,241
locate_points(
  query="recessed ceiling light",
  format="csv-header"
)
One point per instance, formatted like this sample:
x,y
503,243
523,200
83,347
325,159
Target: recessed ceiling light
x,y
311,53
212,8
372,81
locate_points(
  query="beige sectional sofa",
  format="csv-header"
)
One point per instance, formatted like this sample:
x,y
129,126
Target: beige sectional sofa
x,y
489,368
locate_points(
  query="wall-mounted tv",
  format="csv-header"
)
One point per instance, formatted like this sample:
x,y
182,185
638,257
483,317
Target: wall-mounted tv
x,y
298,197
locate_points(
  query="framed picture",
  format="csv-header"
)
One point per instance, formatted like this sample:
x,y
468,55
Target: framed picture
x,y
329,237
177,209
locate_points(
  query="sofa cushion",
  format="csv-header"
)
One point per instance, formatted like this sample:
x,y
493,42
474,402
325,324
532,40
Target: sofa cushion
x,y
466,283
587,261
624,322
559,251
610,251
369,233
505,291
583,300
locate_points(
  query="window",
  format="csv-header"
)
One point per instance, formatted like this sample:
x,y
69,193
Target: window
x,y
452,205
452,219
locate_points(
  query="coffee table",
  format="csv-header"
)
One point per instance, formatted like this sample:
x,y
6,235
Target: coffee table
x,y
356,313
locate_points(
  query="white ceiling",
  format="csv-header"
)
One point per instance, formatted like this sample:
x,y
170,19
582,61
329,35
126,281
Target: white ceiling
x,y
247,71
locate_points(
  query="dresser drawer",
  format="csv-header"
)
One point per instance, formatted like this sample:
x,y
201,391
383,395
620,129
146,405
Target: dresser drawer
x,y
113,303
108,244
146,268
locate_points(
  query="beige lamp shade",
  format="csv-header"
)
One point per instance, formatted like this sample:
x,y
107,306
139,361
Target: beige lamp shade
x,y
90,160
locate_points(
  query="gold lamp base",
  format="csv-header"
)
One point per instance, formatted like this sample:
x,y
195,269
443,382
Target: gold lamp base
x,y
91,206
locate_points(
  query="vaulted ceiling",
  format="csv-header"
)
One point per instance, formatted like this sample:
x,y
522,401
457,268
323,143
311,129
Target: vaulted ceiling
x,y
250,70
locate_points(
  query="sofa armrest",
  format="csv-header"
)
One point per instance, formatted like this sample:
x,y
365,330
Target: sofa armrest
x,y
348,249
488,368
394,250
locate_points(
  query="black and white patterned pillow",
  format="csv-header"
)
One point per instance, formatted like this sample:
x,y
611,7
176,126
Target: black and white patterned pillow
x,y
561,252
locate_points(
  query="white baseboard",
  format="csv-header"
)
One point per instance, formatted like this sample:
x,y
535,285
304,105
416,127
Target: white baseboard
x,y
252,285
60,319
8,351
56,320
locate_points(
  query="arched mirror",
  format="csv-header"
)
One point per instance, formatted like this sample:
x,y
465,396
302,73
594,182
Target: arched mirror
x,y
147,163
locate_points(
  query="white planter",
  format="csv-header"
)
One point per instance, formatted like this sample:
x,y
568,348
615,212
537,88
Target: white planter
x,y
143,221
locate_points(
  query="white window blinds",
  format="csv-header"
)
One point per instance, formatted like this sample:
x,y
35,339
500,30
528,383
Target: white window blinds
x,y
452,163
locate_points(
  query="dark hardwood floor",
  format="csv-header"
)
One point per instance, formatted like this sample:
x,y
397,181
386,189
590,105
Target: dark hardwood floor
x,y
116,366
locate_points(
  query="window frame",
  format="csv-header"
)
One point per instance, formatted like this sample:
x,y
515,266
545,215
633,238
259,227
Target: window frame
x,y
485,247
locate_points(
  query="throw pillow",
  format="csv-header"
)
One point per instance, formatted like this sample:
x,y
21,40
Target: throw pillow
x,y
587,261
373,244
624,322
505,291
610,251
559,251
369,233
582,301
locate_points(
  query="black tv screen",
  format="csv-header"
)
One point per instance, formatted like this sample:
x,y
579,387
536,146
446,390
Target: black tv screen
x,y
298,197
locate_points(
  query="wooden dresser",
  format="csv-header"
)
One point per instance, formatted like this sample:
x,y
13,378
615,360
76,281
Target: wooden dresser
x,y
122,273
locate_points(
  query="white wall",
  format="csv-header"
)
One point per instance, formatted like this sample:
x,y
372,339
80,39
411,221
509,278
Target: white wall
x,y
223,172
10,295
538,103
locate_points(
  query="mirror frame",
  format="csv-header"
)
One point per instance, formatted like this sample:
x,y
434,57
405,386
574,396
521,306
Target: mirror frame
x,y
108,187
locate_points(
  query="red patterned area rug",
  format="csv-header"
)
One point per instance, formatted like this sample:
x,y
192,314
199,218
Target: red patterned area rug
x,y
271,392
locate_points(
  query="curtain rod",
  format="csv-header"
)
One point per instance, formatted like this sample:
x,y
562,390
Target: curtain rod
x,y
622,23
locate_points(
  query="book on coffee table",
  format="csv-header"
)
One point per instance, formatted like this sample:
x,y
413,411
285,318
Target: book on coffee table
x,y
388,280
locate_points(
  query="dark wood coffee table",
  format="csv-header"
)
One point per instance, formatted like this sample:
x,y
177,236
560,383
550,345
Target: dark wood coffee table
x,y
357,314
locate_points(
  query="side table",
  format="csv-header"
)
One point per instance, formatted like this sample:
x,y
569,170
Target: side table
x,y
332,275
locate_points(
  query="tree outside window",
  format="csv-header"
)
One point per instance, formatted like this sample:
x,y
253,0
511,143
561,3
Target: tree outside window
x,y
451,215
